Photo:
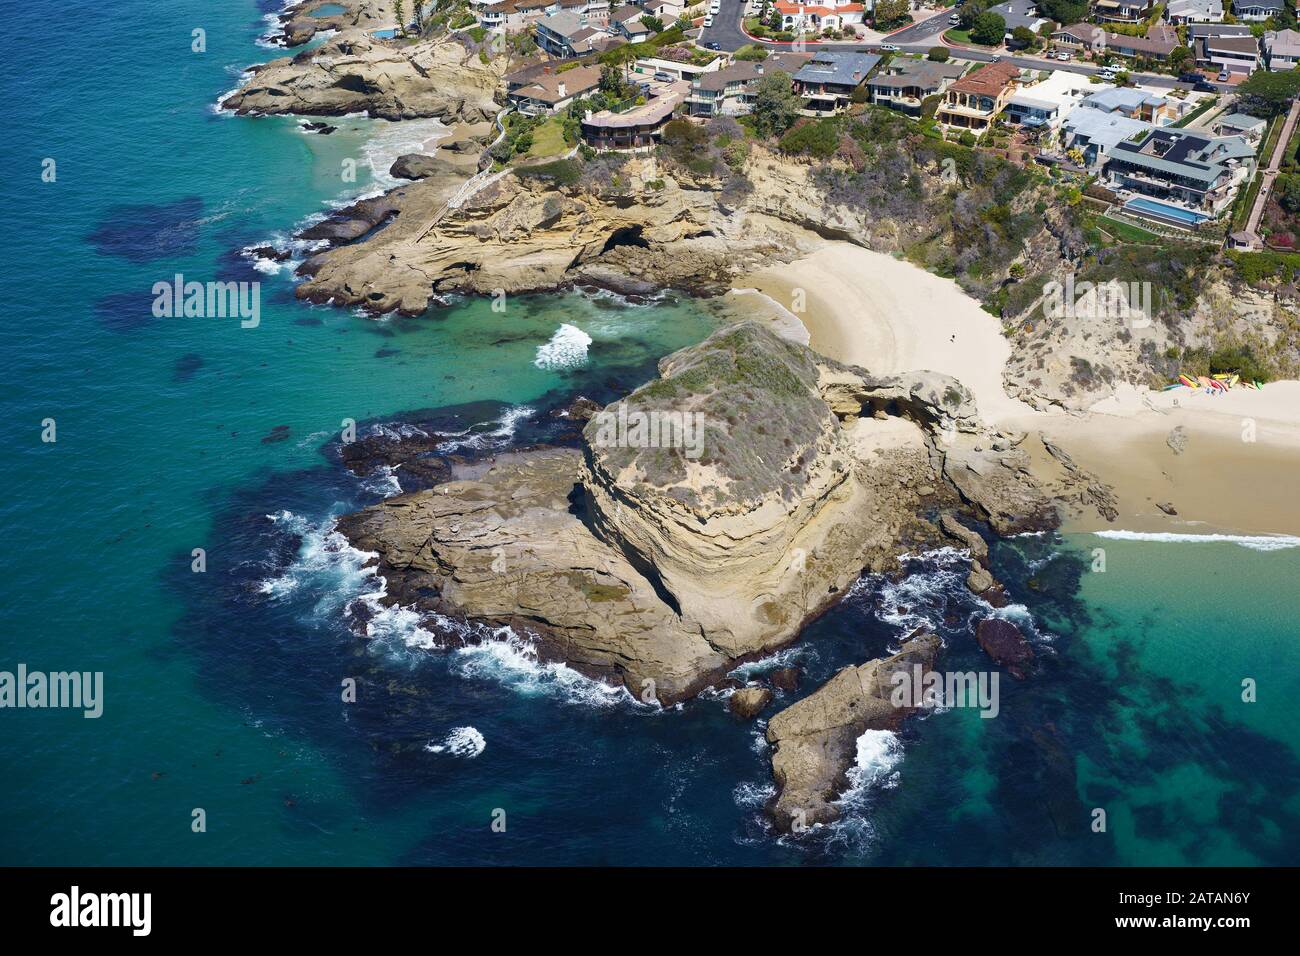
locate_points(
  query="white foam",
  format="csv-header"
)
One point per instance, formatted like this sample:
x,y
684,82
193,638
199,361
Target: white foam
x,y
461,742
752,796
477,439
511,660
566,349
1256,542
879,753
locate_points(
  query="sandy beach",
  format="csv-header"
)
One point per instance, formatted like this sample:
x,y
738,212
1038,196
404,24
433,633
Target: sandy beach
x,y
887,316
1238,471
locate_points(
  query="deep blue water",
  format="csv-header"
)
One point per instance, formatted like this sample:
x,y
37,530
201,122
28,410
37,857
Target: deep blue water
x,y
223,688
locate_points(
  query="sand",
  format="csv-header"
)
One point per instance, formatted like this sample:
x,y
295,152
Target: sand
x,y
889,316
1238,474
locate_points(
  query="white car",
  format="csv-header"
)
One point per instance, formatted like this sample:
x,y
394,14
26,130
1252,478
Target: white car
x,y
889,47
715,6
708,21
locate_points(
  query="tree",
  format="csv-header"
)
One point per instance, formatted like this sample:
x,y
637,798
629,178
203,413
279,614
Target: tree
x,y
938,54
776,105
751,51
989,29
1063,11
889,12
1024,38
418,7
653,24
1267,94
400,14
970,10
1178,59
1288,192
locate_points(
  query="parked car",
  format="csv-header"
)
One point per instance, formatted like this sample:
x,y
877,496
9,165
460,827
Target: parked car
x,y
1190,77
663,77
712,45
708,21
889,47
1063,56
1224,76
995,57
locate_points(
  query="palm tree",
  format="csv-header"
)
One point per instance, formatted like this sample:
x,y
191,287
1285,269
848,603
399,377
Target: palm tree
x,y
419,15
401,17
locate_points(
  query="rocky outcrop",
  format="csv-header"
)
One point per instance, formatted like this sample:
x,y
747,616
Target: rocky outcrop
x,y
1003,642
932,397
748,702
969,539
422,166
662,565
355,73
1000,486
814,740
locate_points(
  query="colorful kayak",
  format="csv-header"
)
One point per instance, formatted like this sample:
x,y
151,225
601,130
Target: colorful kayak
x,y
1189,382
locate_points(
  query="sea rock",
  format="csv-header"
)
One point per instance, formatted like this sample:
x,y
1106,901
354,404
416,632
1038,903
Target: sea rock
x,y
979,580
748,702
354,221
969,539
657,566
355,73
784,678
1003,642
1167,507
1177,439
927,396
298,32
814,740
420,166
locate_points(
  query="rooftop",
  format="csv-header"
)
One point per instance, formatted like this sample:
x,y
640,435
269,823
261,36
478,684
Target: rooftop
x,y
1123,98
658,108
1180,153
923,73
1283,42
546,88
842,69
988,81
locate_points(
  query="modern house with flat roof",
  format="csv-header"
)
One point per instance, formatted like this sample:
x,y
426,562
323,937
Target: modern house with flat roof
x,y
905,83
636,129
1199,31
1094,133
1251,128
1175,166
974,101
1044,105
1282,50
554,91
1018,13
1256,11
1234,54
1180,12
1135,104
827,81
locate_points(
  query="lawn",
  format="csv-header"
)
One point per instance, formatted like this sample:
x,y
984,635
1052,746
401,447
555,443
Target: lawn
x,y
548,140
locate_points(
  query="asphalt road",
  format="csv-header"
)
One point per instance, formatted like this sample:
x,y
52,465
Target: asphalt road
x,y
918,38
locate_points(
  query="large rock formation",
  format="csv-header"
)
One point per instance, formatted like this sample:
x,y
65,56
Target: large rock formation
x,y
355,73
658,563
814,740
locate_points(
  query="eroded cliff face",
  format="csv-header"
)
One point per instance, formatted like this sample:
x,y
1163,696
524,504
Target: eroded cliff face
x,y
356,73
656,566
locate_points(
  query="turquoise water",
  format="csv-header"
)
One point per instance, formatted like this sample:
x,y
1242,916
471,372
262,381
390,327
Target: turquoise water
x,y
222,688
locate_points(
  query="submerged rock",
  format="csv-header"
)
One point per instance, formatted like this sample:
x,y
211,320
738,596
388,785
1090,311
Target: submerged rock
x,y
1003,642
814,740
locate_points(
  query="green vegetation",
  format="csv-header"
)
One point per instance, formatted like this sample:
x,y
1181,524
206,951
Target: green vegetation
x,y
938,54
1267,94
776,106
1257,268
751,51
562,172
548,139
1210,102
818,138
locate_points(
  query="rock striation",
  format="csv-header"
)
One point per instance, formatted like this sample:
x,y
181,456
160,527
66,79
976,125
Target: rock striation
x,y
355,73
661,566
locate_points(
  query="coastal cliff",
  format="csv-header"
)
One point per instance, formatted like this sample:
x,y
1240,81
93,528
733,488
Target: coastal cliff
x,y
355,73
659,565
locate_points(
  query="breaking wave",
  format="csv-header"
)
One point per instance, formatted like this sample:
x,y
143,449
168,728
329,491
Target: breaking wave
x,y
566,349
1255,542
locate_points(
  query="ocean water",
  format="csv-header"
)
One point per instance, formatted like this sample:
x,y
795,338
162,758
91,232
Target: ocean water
x,y
223,688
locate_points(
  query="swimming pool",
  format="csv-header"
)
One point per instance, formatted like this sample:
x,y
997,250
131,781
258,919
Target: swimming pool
x,y
1165,212
329,10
